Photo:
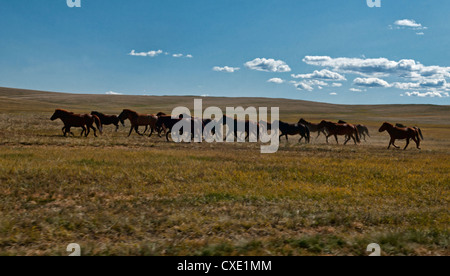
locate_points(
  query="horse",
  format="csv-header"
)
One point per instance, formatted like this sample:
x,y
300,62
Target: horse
x,y
399,133
166,122
108,119
313,128
248,127
418,129
70,119
341,129
362,129
294,129
137,120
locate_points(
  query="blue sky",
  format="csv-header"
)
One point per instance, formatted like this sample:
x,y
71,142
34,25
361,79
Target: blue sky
x,y
337,51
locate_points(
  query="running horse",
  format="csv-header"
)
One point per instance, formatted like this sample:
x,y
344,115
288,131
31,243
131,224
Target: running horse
x,y
313,128
400,133
108,119
70,119
341,129
362,130
166,123
138,120
294,129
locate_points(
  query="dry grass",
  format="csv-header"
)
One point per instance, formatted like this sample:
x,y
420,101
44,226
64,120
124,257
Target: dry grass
x,y
143,196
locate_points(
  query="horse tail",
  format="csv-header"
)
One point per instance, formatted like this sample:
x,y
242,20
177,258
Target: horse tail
x,y
98,122
420,133
367,131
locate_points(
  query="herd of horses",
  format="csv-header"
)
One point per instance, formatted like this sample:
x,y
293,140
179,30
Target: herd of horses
x,y
162,122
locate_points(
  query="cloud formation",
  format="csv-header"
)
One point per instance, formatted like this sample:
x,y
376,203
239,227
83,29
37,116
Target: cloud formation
x,y
321,75
113,93
146,54
226,69
268,65
372,67
155,53
409,23
431,94
370,82
276,80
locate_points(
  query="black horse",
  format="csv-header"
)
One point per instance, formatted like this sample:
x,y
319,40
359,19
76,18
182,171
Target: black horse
x,y
108,119
294,129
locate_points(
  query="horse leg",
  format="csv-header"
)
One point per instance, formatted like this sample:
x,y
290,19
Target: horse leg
x,y
88,131
95,131
328,137
167,136
131,130
281,135
337,141
393,143
151,132
417,142
348,139
136,128
83,131
407,144
145,130
117,127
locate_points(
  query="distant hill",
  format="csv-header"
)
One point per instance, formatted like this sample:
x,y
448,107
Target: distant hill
x,y
24,101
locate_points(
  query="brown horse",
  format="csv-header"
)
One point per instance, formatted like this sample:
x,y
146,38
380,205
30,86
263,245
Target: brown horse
x,y
70,119
313,128
341,129
399,133
138,120
362,130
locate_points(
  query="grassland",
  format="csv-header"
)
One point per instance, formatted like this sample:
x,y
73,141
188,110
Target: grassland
x,y
143,196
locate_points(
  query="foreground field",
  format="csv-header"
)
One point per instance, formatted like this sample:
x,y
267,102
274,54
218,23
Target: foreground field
x,y
142,196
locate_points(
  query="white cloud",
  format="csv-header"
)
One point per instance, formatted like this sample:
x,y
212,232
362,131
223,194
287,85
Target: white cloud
x,y
276,80
370,82
321,75
431,94
146,54
302,86
189,56
356,90
113,93
226,69
405,68
333,93
177,55
420,33
267,65
336,84
409,23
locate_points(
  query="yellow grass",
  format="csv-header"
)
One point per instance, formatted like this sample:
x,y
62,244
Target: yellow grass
x,y
143,196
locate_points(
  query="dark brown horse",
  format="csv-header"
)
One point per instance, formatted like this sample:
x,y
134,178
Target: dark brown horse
x,y
249,127
166,123
313,128
294,129
70,119
138,120
107,119
399,133
341,129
